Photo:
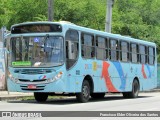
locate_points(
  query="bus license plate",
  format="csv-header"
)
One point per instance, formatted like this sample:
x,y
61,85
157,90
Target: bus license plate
x,y
31,87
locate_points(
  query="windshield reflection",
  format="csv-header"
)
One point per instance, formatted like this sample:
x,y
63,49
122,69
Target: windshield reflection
x,y
37,51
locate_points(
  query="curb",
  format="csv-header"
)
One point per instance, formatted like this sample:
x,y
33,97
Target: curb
x,y
7,98
5,95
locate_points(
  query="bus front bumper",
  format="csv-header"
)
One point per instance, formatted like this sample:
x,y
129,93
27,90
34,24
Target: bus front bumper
x,y
56,86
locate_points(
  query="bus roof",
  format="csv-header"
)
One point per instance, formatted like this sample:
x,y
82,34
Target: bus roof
x,y
69,25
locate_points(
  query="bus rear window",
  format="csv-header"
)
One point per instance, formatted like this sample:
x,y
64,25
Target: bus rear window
x,y
36,28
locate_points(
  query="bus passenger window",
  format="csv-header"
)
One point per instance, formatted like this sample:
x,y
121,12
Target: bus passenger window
x,y
101,50
142,51
88,49
134,53
124,47
114,50
151,55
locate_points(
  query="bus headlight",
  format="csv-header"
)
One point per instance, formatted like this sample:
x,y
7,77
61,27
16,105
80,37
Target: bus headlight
x,y
56,77
12,78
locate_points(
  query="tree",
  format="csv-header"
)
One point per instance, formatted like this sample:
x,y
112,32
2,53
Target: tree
x,y
135,18
26,10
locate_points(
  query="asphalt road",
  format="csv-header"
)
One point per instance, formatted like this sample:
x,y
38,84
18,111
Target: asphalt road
x,y
145,102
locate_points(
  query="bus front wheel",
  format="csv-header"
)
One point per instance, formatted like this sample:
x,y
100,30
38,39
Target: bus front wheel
x,y
40,97
84,95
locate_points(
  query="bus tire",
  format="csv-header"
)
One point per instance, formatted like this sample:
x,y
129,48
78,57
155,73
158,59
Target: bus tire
x,y
135,90
40,97
97,95
84,95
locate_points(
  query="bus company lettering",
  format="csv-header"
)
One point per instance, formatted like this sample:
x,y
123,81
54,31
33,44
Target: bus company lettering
x,y
94,66
88,66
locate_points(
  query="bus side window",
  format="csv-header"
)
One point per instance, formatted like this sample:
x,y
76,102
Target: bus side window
x,y
88,49
134,53
102,48
124,47
151,55
142,52
114,50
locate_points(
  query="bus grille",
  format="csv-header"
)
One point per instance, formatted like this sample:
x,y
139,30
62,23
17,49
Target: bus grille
x,y
26,80
33,71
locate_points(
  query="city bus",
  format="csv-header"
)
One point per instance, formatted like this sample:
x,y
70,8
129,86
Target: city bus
x,y
52,58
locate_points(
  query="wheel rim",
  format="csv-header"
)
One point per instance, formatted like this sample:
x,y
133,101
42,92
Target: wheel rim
x,y
85,91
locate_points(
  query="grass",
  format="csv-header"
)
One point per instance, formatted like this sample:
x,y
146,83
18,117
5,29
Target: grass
x,y
49,98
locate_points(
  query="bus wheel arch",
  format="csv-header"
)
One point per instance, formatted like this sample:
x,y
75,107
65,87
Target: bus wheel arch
x,y
136,78
86,89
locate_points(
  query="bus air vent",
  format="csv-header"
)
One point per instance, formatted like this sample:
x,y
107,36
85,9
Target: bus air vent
x,y
33,71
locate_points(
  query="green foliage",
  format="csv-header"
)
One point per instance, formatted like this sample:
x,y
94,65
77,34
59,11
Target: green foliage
x,y
79,12
135,18
4,13
138,19
27,10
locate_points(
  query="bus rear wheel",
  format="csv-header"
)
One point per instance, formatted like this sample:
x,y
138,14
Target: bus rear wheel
x,y
84,95
135,90
97,95
40,97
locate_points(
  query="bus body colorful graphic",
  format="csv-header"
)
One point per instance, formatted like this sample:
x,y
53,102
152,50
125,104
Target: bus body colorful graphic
x,y
56,57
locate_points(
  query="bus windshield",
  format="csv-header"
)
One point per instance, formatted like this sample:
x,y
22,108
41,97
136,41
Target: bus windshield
x,y
46,51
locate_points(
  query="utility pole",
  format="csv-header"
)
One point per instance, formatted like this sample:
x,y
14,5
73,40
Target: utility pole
x,y
50,10
109,15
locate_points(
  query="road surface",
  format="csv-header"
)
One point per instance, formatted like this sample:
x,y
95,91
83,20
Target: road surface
x,y
112,102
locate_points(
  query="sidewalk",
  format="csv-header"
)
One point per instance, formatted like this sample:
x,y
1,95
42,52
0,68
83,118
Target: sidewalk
x,y
5,95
